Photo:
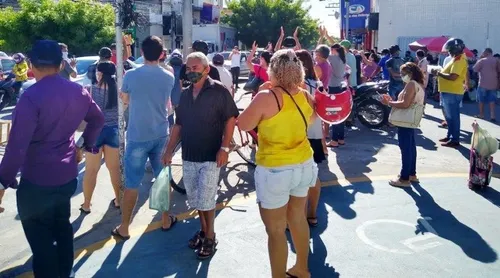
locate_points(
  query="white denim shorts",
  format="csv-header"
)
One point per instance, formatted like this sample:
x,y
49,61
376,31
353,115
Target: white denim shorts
x,y
201,180
275,185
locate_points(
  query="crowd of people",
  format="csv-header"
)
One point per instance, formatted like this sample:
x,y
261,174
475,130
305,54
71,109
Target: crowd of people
x,y
292,139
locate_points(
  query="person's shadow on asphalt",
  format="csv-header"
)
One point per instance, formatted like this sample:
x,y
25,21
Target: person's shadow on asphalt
x,y
447,226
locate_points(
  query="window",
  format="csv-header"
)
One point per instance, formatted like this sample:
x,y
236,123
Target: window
x,y
7,64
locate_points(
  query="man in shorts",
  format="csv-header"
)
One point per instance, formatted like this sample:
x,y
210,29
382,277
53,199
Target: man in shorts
x,y
488,68
205,120
146,90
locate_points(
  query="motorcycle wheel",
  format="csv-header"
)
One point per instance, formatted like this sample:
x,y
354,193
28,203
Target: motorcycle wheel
x,y
372,114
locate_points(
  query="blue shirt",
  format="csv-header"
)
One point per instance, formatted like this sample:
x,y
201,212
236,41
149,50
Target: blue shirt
x,y
385,71
149,88
41,140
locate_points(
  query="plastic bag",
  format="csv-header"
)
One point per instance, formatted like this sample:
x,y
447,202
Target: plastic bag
x,y
159,195
485,144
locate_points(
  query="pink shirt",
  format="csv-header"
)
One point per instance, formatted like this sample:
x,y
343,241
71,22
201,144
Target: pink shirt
x,y
260,72
489,70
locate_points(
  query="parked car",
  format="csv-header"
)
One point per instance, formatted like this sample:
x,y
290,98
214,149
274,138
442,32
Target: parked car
x,y
227,63
3,54
82,66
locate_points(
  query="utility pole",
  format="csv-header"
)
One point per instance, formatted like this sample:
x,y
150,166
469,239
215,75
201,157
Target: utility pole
x,y
347,33
119,81
187,26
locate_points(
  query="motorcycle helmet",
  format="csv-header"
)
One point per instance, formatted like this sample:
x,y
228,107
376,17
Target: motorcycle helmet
x,y
454,46
200,46
18,58
175,58
289,42
335,108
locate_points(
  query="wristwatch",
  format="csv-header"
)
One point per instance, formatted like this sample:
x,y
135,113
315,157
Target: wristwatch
x,y
226,149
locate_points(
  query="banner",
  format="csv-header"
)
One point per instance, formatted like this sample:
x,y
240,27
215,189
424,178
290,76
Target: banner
x,y
359,10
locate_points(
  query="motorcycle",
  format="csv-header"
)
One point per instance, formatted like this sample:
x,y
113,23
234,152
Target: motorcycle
x,y
7,91
367,105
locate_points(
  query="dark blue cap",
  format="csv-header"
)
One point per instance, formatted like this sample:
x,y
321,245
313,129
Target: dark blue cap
x,y
46,52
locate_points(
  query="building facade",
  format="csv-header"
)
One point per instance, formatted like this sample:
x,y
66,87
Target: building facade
x,y
402,22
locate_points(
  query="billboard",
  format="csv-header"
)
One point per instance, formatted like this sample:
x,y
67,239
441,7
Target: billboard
x,y
359,10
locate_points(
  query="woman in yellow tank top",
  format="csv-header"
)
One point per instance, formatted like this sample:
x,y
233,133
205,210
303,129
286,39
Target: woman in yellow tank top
x,y
285,167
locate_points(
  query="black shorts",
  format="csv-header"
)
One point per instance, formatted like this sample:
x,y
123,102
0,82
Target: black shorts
x,y
319,155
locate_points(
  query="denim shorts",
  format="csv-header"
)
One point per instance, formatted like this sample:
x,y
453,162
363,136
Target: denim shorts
x,y
486,96
275,185
109,136
201,180
136,155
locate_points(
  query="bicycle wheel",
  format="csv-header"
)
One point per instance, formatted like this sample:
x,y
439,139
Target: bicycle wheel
x,y
176,181
245,144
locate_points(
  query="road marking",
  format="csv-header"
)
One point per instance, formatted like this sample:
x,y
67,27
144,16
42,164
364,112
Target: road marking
x,y
88,250
410,243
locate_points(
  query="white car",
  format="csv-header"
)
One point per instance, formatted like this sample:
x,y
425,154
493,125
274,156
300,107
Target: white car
x,y
3,54
227,63
82,66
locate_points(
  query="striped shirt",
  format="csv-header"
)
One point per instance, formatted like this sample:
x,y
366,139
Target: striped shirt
x,y
100,96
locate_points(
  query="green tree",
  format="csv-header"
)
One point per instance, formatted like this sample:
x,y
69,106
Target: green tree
x,y
260,20
85,26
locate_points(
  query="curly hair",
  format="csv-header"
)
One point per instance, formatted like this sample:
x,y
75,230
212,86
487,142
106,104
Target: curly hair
x,y
287,69
414,71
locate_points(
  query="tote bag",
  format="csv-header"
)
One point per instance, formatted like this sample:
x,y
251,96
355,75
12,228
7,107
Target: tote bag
x,y
159,195
409,117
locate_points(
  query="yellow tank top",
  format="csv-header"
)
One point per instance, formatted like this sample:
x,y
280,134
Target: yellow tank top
x,y
282,138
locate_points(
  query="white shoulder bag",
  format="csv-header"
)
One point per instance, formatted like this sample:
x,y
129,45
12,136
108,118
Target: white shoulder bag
x,y
409,117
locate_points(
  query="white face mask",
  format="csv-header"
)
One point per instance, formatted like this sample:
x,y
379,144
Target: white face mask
x,y
406,78
65,55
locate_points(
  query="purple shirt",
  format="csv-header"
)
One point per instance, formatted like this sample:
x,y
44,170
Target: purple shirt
x,y
41,140
326,70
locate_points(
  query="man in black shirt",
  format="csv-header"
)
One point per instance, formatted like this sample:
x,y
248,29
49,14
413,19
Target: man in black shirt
x,y
199,46
205,121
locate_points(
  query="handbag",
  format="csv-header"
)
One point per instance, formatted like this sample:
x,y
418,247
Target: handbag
x,y
253,84
409,117
159,195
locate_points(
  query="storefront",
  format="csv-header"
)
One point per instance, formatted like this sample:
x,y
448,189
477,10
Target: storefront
x,y
359,10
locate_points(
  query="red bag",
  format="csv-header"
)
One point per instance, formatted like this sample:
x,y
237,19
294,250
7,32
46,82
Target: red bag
x,y
333,108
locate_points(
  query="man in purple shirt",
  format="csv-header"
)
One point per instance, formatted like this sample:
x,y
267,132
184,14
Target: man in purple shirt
x,y
41,143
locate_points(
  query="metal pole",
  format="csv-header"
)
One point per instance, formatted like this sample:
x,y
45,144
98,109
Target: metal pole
x,y
187,26
487,34
347,19
119,81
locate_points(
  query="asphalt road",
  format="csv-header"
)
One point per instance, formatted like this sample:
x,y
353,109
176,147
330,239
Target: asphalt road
x,y
368,229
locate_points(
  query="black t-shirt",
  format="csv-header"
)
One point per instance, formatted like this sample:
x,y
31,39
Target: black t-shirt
x,y
204,120
214,74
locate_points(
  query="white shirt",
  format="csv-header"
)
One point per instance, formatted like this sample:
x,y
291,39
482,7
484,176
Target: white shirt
x,y
236,60
315,130
225,77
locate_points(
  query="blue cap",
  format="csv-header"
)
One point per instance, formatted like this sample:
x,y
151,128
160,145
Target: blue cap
x,y
46,52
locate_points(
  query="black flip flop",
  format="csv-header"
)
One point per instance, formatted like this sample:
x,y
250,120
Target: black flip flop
x,y
311,224
288,275
117,234
84,211
173,221
113,204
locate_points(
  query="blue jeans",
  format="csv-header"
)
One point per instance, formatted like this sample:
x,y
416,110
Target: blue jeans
x,y
395,89
408,147
451,106
337,131
109,136
136,155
